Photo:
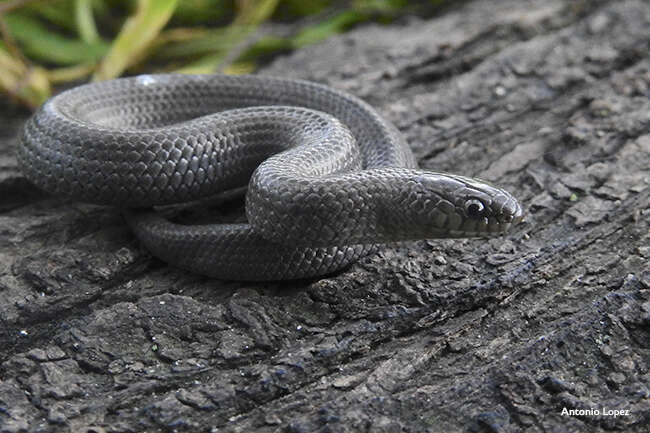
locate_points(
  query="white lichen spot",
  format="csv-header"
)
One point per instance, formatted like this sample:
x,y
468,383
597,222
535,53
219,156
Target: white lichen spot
x,y
49,107
145,80
500,91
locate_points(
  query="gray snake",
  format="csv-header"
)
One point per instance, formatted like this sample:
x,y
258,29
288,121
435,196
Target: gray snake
x,y
328,178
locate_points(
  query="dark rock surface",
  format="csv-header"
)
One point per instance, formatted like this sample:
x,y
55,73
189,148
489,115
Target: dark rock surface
x,y
550,99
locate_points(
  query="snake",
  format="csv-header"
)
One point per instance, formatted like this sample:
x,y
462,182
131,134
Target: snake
x,y
327,179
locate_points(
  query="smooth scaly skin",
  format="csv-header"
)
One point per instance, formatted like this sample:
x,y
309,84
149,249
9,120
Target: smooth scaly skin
x,y
327,177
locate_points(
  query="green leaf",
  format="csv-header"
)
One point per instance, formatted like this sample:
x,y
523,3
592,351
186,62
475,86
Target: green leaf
x,y
42,44
137,33
205,65
60,13
327,28
305,8
203,12
266,46
250,15
85,20
206,41
381,6
254,12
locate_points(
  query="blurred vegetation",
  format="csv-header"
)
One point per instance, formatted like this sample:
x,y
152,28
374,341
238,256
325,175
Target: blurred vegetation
x,y
48,42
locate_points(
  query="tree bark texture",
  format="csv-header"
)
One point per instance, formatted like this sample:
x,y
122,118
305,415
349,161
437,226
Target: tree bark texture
x,y
549,99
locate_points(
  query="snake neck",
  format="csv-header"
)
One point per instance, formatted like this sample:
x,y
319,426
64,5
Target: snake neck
x,y
370,206
376,206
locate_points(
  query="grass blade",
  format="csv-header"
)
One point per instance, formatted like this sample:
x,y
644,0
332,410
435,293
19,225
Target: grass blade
x,y
327,28
85,21
42,44
137,33
250,15
29,86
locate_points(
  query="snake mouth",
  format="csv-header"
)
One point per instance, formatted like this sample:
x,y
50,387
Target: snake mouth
x,y
480,234
495,227
488,227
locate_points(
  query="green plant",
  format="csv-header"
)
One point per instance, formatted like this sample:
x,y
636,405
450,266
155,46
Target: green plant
x,y
48,42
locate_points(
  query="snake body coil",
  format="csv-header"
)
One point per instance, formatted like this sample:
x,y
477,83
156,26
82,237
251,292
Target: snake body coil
x,y
327,176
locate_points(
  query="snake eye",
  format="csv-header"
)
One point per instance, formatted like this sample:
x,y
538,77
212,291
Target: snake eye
x,y
474,208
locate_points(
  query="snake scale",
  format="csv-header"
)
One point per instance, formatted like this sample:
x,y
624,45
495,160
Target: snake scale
x,y
328,178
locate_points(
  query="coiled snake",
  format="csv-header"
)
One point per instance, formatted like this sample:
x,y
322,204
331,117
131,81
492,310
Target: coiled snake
x,y
328,177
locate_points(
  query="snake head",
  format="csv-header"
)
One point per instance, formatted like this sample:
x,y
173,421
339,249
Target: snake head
x,y
451,206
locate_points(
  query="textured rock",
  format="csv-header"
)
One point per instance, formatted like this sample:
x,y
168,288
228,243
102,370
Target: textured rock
x,y
550,99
